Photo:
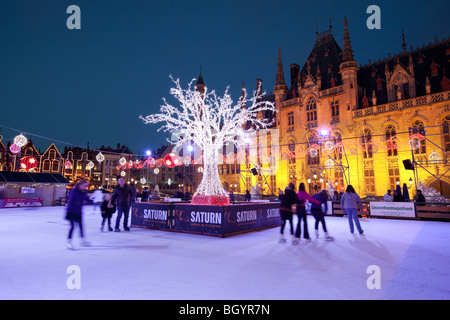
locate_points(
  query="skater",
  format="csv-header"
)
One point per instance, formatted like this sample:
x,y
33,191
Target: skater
x,y
121,197
290,198
350,202
316,211
107,212
97,198
77,197
302,196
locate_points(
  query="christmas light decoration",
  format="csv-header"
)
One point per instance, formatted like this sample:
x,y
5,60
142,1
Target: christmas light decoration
x,y
329,163
68,165
20,140
169,160
210,122
28,163
14,148
122,161
100,157
143,180
90,165
434,156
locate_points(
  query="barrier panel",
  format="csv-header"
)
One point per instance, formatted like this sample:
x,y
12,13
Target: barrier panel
x,y
218,221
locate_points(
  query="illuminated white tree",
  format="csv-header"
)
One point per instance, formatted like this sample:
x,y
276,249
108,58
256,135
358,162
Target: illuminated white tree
x,y
210,122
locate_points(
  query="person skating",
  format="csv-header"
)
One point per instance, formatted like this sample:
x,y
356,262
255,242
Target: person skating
x,y
107,212
316,211
290,198
74,210
350,202
303,196
121,197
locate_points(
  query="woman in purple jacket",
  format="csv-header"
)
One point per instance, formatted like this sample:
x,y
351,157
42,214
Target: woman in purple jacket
x,y
77,197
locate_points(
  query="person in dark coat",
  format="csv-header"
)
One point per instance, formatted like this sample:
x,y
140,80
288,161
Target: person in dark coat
x,y
145,194
420,199
248,196
290,198
121,197
398,197
74,210
319,215
107,212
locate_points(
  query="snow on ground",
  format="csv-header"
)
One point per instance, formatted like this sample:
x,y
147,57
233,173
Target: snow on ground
x,y
413,259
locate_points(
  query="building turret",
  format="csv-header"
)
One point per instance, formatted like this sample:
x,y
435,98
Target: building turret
x,y
348,70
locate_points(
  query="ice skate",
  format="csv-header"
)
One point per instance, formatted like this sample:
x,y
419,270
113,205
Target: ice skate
x,y
317,233
328,237
282,239
86,243
69,245
295,241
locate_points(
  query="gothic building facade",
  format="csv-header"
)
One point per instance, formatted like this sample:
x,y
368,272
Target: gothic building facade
x,y
340,123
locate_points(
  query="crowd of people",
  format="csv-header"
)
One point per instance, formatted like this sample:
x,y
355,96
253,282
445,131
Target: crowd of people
x,y
350,202
125,195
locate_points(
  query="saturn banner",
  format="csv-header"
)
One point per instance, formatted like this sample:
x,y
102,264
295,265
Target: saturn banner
x,y
205,219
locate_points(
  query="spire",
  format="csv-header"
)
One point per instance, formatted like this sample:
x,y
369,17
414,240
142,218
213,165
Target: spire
x,y
347,52
200,85
280,75
403,40
200,77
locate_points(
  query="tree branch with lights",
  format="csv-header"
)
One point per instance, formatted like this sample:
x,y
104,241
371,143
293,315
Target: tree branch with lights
x,y
210,122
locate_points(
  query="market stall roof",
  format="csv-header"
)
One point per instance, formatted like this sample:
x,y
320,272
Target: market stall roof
x,y
25,177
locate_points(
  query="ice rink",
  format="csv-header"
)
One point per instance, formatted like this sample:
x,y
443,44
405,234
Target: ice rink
x,y
412,257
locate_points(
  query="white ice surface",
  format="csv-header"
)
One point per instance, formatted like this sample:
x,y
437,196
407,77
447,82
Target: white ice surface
x,y
413,257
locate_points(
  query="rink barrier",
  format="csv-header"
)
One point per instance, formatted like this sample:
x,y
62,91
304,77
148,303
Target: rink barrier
x,y
428,211
220,221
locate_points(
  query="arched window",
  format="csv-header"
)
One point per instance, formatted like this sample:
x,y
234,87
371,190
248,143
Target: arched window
x,y
338,146
46,165
291,147
292,170
311,112
367,143
335,111
418,128
446,132
391,140
313,154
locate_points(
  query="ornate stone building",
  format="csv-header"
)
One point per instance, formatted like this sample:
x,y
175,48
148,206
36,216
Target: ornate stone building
x,y
340,123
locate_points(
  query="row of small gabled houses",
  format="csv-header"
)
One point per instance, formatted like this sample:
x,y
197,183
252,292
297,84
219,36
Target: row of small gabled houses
x,y
72,163
76,163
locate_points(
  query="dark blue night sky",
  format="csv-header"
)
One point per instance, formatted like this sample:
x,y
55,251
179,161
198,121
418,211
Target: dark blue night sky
x,y
90,85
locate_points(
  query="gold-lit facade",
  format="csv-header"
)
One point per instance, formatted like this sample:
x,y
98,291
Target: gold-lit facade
x,y
340,123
